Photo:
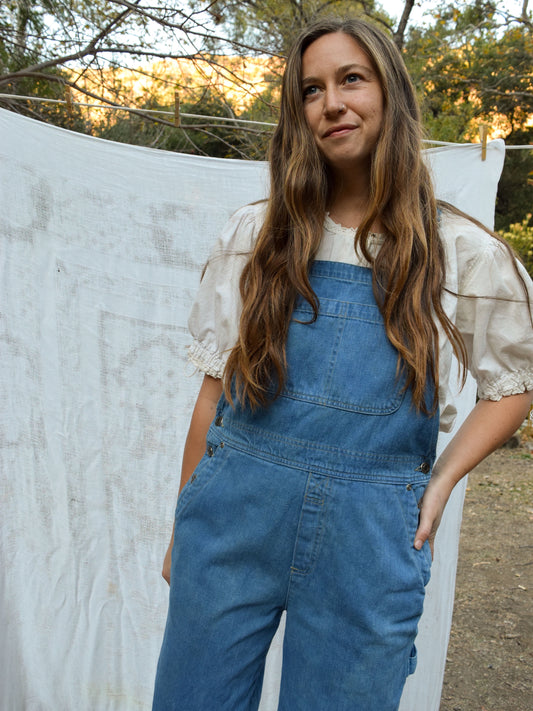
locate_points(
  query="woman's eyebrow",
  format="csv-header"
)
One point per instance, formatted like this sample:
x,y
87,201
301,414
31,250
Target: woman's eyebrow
x,y
342,70
358,67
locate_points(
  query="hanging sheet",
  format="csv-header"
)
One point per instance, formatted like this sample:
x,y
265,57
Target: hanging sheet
x,y
102,245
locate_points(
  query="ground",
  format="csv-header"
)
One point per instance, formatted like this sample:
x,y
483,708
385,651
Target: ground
x,y
490,656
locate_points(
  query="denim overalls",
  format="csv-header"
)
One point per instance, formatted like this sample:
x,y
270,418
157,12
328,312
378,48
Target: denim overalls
x,y
309,505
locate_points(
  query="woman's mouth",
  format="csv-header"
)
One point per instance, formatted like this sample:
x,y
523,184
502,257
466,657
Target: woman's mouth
x,y
340,130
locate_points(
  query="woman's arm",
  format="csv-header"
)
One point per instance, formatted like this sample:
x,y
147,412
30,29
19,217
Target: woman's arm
x,y
488,426
202,416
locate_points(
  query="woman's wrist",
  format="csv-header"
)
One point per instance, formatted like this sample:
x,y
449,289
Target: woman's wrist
x,y
445,478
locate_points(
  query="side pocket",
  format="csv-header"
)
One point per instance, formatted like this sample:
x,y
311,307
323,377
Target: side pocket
x,y
424,554
202,475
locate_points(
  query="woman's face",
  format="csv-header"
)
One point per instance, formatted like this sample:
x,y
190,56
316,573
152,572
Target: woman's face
x,y
343,101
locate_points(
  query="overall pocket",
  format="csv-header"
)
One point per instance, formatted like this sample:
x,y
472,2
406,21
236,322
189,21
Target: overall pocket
x,y
205,471
344,358
416,491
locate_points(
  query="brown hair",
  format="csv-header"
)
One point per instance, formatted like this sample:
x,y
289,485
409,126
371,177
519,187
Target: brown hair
x,y
408,271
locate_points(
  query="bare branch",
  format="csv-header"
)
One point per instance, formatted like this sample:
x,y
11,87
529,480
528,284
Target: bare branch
x,y
182,27
89,49
369,11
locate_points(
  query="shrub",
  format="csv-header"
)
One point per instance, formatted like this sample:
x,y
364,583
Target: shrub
x,y
520,236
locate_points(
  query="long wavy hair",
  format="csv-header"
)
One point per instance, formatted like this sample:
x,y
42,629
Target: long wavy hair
x,y
409,269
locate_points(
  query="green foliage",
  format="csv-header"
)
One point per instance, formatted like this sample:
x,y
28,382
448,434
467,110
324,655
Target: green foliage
x,y
468,69
515,189
470,64
520,236
197,137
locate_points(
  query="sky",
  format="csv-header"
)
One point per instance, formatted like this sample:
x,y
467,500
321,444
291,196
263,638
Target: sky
x,y
395,7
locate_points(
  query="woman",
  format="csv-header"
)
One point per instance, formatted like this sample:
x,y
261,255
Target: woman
x,y
304,481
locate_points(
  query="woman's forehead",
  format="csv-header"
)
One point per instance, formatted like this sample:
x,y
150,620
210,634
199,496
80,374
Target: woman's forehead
x,y
334,50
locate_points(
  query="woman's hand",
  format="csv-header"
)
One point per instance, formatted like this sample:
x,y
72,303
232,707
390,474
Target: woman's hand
x,y
167,562
487,427
431,508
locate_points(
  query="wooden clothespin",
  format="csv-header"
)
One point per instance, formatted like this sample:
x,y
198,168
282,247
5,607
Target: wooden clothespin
x,y
483,137
177,119
68,99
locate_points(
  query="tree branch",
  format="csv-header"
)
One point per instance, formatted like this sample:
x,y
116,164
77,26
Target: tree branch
x,y
89,49
149,116
188,31
399,35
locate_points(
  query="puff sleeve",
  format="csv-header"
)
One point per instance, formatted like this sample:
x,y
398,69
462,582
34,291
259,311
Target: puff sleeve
x,y
215,314
494,319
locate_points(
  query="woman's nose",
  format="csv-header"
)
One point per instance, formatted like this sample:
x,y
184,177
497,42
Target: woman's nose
x,y
333,104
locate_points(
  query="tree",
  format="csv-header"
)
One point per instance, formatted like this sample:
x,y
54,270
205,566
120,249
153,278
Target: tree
x,y
50,45
90,46
274,23
201,137
53,44
520,236
457,64
472,65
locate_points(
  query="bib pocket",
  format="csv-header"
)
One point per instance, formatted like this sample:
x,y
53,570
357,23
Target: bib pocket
x,y
356,369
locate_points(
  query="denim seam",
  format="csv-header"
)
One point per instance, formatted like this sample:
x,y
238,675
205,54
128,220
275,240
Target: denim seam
x,y
411,524
345,314
342,271
410,476
282,439
342,405
370,457
317,541
426,571
334,354
195,486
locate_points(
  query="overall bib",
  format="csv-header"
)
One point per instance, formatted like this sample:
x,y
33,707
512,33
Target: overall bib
x,y
308,505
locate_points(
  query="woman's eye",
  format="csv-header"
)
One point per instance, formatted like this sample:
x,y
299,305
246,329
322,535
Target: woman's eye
x,y
310,90
352,78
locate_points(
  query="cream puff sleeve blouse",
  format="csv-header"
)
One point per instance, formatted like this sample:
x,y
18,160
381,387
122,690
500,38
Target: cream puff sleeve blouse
x,y
483,298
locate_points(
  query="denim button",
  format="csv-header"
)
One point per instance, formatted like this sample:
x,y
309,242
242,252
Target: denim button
x,y
424,468
409,487
221,445
219,421
210,451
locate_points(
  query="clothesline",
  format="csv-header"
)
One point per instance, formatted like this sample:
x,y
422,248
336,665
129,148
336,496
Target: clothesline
x,y
117,107
228,119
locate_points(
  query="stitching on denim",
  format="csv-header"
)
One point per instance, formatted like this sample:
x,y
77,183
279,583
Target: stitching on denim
x,y
318,531
322,448
411,524
401,479
346,406
341,271
345,310
194,487
339,332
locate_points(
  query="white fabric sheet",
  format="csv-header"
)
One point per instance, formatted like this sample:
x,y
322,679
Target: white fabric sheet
x,y
101,249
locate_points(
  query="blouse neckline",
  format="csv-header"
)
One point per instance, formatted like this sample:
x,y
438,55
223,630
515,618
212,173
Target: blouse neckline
x,y
336,228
